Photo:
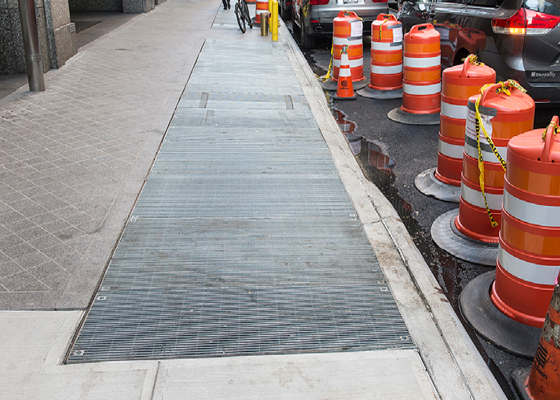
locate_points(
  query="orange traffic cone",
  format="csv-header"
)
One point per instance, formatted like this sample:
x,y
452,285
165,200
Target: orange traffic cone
x,y
543,382
345,89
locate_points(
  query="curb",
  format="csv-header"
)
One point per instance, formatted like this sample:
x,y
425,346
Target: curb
x,y
450,357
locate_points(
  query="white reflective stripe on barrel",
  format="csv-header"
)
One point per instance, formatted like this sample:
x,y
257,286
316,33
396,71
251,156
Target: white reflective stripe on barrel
x,y
386,46
422,62
344,72
454,111
351,41
475,198
450,150
531,213
419,90
354,63
529,272
382,70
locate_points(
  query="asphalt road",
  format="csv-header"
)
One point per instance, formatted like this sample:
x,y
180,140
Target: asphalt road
x,y
392,155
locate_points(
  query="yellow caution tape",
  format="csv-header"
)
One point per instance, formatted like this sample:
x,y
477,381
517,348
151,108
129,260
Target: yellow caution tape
x,y
473,59
381,27
504,88
328,75
555,129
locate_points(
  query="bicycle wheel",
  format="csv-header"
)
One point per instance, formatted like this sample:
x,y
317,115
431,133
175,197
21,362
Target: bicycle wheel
x,y
246,12
239,13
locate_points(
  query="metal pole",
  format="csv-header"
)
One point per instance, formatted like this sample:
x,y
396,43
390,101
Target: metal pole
x,y
33,58
264,24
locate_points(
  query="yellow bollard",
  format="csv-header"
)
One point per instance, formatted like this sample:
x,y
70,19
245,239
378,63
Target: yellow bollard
x,y
274,27
270,16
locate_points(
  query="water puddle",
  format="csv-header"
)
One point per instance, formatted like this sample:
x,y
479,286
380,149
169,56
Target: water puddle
x,y
378,168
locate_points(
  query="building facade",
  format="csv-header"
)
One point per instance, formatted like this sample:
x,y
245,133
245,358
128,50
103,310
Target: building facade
x,y
57,33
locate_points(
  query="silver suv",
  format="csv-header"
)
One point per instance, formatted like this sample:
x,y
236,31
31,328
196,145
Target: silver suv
x,y
312,18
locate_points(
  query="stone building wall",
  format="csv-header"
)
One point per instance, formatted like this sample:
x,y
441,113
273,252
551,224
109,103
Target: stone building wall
x,y
12,60
95,5
57,35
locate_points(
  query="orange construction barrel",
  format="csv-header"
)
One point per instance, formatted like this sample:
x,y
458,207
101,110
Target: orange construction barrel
x,y
504,111
386,53
262,6
422,70
543,382
529,255
348,31
458,84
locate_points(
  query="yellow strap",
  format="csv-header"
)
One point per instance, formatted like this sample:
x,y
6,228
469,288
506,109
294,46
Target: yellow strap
x,y
328,75
381,26
473,59
555,129
478,124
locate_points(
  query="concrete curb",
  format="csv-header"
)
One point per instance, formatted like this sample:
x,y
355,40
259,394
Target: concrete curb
x,y
451,359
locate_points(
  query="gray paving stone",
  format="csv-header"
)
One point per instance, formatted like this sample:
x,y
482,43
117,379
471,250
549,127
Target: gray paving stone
x,y
45,271
10,241
32,234
32,260
19,226
9,268
73,158
44,219
45,243
18,281
19,251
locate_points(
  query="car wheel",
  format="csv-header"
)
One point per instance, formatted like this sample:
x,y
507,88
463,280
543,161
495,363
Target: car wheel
x,y
307,41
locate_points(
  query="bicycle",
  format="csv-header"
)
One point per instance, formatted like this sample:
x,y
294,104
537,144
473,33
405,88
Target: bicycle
x,y
242,14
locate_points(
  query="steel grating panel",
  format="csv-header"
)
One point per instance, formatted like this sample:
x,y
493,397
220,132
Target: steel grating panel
x,y
242,242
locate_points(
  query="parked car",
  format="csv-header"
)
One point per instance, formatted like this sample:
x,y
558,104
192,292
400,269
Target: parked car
x,y
285,9
314,18
519,39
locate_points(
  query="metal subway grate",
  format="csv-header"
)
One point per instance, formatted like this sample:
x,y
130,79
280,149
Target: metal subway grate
x,y
242,242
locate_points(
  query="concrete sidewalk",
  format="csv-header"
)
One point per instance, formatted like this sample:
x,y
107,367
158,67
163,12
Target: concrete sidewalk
x,y
74,160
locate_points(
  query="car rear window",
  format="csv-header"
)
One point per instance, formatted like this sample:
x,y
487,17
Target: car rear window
x,y
551,7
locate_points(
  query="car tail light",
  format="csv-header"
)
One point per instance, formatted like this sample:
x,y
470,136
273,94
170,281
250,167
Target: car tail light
x,y
539,23
318,2
526,22
514,25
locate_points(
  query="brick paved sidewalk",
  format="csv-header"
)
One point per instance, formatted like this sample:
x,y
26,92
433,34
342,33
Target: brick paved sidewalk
x,y
73,158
